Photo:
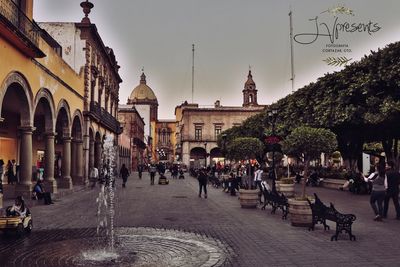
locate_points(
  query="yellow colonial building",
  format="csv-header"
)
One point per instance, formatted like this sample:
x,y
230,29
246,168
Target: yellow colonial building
x,y
55,108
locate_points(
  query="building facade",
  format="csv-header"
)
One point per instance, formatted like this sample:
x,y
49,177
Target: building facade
x,y
143,99
133,134
56,106
197,128
164,141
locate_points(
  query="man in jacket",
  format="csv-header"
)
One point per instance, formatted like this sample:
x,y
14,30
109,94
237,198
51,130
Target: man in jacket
x,y
202,177
392,192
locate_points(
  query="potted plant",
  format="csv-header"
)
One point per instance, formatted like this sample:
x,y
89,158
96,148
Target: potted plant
x,y
306,143
286,187
246,148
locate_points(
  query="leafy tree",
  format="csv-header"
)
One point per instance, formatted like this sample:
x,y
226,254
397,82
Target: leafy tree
x,y
245,148
307,144
360,104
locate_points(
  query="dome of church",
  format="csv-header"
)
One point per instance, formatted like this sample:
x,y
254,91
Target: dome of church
x,y
142,91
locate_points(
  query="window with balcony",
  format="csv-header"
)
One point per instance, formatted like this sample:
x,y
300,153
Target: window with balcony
x,y
198,129
217,130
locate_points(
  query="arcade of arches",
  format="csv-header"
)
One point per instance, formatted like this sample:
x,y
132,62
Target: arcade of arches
x,y
43,137
199,156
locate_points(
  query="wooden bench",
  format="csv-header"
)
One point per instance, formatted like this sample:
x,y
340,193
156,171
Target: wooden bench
x,y
276,200
321,213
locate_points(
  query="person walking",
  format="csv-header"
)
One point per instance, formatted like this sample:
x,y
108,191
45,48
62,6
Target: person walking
x,y
202,177
257,180
152,170
140,170
124,173
379,185
392,192
94,176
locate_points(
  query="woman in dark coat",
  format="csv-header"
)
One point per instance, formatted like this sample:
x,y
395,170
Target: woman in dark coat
x,y
124,173
10,173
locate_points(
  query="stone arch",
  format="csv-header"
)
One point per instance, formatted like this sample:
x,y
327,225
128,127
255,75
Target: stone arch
x,y
216,152
76,130
63,105
197,152
18,79
91,132
78,114
77,125
197,157
45,98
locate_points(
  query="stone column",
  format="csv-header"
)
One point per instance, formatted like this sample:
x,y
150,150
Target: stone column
x,y
66,181
24,188
79,163
73,161
86,146
50,183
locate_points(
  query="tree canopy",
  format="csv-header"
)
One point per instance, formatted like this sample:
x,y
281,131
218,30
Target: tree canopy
x,y
245,148
308,143
360,103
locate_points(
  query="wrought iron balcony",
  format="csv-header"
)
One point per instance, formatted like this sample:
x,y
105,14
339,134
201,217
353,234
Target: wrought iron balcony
x,y
192,138
19,29
105,118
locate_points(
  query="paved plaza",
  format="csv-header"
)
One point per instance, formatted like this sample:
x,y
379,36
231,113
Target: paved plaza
x,y
174,212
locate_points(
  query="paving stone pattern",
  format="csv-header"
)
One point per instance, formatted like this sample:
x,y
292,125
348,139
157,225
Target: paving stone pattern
x,y
250,237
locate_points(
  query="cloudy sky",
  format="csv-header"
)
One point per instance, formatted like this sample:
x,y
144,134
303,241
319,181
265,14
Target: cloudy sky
x,y
229,36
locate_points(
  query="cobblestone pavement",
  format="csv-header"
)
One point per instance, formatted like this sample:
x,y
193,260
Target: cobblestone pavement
x,y
255,237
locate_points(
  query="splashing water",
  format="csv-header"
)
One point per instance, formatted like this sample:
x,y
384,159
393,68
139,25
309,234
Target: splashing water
x,y
106,201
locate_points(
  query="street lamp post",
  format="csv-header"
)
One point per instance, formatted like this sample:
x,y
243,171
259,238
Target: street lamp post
x,y
205,155
272,114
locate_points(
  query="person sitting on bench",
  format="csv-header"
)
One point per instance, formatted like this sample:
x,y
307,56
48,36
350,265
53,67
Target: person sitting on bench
x,y
40,193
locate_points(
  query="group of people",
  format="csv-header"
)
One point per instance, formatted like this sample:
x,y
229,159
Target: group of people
x,y
10,170
385,186
233,180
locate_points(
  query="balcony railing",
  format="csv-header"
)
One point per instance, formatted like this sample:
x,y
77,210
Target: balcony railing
x,y
104,117
11,12
204,138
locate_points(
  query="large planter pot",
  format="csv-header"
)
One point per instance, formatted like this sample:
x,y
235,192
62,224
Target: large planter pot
x,y
287,189
300,213
248,198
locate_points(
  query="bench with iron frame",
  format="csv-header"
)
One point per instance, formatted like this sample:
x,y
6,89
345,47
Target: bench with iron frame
x,y
276,200
321,213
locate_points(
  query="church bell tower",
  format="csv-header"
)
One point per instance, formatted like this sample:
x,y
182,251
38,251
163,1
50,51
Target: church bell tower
x,y
249,92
